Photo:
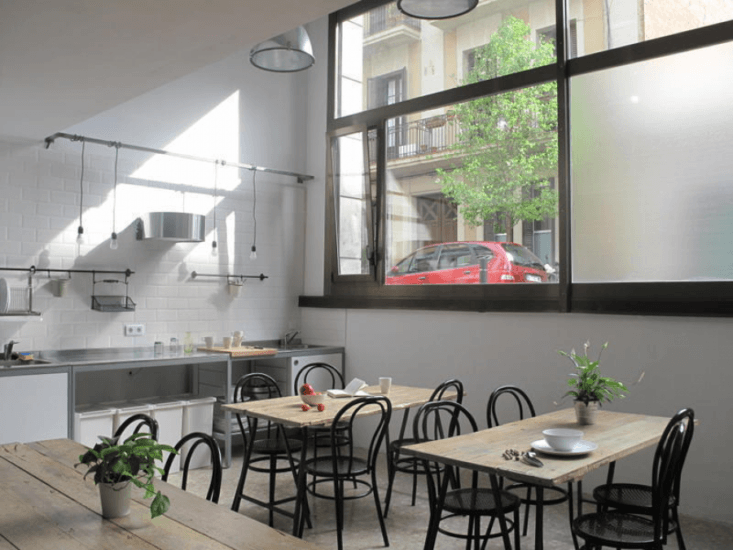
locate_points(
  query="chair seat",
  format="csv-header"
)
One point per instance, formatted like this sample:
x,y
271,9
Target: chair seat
x,y
632,497
276,446
478,501
323,466
551,495
615,529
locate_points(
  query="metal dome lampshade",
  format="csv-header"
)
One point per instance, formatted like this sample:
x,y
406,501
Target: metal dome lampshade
x,y
435,9
286,53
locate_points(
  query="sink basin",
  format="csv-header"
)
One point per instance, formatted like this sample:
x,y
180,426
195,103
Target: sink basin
x,y
18,362
298,346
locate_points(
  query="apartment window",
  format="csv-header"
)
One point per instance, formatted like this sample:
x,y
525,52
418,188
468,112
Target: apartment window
x,y
607,173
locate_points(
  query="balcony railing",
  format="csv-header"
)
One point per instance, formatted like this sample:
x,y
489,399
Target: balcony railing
x,y
418,138
387,17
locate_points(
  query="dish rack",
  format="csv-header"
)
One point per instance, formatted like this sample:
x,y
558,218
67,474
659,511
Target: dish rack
x,y
112,302
16,301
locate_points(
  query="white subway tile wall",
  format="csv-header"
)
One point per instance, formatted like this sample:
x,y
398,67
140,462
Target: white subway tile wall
x,y
39,216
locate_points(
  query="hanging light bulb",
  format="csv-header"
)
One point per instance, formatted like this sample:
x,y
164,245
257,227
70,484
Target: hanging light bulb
x,y
214,246
80,231
253,252
113,244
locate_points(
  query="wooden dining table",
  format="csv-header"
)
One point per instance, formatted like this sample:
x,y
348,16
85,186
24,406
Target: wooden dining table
x,y
288,412
46,504
617,435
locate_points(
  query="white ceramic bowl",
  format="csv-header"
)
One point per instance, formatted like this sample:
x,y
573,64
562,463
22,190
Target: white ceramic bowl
x,y
562,439
313,399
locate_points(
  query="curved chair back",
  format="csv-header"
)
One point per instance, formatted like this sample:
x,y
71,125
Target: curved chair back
x,y
323,373
345,420
445,387
521,399
194,439
143,421
669,458
254,387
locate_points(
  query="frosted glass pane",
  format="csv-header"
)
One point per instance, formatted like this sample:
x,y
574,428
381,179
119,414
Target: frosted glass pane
x,y
652,171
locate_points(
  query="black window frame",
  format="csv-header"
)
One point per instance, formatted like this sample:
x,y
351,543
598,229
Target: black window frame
x,y
653,298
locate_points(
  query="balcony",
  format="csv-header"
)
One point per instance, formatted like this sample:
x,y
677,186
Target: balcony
x,y
387,25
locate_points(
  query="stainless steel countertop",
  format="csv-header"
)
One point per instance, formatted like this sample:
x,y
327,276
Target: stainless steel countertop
x,y
99,356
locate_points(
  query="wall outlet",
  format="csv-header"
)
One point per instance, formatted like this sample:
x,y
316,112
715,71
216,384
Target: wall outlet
x,y
135,330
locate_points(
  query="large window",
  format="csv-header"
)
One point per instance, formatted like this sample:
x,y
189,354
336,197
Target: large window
x,y
510,169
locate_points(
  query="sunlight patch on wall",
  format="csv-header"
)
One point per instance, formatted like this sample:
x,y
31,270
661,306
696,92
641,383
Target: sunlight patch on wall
x,y
214,136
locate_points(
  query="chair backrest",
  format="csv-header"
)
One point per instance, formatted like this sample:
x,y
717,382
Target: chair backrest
x,y
344,424
254,387
325,376
669,458
143,421
436,420
194,440
444,387
521,399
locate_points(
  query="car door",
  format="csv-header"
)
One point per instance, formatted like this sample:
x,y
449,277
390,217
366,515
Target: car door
x,y
414,269
454,265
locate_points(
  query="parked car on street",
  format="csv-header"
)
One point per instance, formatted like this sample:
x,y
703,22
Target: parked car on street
x,y
459,263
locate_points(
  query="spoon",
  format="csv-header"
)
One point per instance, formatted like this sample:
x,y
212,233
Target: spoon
x,y
531,459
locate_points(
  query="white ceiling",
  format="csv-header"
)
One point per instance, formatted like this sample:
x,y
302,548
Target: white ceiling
x,y
64,61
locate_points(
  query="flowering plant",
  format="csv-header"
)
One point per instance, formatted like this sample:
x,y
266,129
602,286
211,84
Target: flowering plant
x,y
587,384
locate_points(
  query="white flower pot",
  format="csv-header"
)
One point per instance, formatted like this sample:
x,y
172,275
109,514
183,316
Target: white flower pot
x,y
115,499
586,414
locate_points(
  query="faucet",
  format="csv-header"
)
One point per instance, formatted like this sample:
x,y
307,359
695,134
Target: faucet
x,y
8,349
290,336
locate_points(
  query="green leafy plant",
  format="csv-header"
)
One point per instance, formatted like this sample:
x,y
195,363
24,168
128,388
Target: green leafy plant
x,y
586,383
133,461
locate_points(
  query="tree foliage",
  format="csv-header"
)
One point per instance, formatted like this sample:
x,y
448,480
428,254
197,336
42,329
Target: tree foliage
x,y
508,142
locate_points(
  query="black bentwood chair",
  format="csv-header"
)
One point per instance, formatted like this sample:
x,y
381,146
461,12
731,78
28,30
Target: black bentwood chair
x,y
195,439
410,464
143,421
450,496
268,444
644,527
524,408
343,465
325,377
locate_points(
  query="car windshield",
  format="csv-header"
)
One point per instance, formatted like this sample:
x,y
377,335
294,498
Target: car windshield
x,y
522,256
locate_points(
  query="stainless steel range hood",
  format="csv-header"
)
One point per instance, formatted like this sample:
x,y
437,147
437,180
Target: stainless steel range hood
x,y
172,226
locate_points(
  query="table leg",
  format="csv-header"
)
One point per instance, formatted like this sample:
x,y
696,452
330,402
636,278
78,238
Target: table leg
x,y
539,518
252,424
301,495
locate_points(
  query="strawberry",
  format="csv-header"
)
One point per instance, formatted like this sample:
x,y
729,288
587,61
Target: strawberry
x,y
321,407
305,407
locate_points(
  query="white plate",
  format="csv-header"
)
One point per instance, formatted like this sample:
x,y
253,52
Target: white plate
x,y
4,296
582,447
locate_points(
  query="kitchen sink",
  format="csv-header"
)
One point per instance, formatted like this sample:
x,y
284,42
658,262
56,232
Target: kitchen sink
x,y
17,362
298,346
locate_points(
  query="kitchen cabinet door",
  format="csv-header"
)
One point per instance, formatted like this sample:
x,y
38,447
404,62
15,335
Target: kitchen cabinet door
x,y
34,407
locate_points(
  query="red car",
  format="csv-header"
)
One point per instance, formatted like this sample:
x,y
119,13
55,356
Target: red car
x,y
458,264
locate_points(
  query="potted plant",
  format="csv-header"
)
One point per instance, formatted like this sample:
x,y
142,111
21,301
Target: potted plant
x,y
587,385
116,467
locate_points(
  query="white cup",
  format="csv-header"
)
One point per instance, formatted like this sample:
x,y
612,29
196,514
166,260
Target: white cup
x,y
236,340
238,334
227,342
385,384
209,340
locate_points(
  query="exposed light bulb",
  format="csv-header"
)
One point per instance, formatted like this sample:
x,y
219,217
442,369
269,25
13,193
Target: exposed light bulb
x,y
253,254
113,244
214,249
80,235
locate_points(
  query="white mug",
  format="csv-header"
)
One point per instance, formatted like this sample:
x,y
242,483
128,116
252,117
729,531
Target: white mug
x,y
209,341
227,342
385,384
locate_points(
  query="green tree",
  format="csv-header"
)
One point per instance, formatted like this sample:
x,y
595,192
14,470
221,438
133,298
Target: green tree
x,y
507,145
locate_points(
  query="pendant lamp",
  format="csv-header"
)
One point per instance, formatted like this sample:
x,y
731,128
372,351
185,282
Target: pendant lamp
x,y
286,53
435,9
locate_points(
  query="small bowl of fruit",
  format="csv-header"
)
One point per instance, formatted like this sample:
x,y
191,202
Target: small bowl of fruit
x,y
311,397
